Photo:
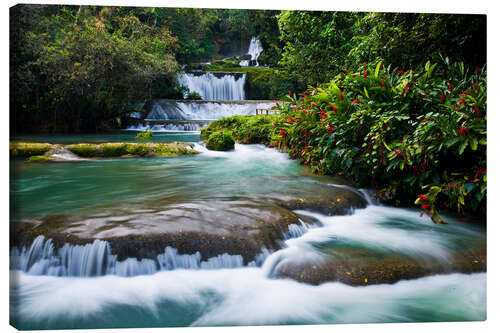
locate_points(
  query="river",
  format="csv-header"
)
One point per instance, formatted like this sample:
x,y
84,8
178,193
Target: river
x,y
242,294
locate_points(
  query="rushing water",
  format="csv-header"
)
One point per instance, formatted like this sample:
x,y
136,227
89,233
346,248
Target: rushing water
x,y
51,288
254,50
210,86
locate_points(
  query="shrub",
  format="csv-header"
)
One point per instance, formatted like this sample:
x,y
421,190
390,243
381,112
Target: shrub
x,y
221,140
144,135
400,132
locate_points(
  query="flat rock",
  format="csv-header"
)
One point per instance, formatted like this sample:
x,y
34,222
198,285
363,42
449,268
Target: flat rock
x,y
210,227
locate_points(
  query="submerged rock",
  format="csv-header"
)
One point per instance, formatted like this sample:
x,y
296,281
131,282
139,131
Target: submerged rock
x,y
361,267
212,228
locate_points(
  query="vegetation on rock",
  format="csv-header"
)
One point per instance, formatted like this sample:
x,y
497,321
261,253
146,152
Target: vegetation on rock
x,y
110,149
220,140
244,129
144,135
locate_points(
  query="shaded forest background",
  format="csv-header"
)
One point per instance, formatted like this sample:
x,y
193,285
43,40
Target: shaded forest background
x,y
79,68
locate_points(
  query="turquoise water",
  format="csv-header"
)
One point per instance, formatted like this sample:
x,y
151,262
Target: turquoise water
x,y
243,295
118,136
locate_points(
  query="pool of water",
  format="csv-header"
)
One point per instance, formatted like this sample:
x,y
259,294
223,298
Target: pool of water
x,y
118,136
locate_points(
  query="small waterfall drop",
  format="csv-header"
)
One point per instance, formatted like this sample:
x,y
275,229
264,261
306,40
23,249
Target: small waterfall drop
x,y
226,87
97,259
254,50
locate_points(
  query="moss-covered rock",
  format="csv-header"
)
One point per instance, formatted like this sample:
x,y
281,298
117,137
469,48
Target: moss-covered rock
x,y
39,158
90,150
27,149
222,140
83,149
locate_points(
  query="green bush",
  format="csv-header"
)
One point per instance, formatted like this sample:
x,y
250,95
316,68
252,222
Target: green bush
x,y
221,140
400,132
244,129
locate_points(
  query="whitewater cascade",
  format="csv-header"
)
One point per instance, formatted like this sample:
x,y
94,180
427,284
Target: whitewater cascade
x,y
97,259
210,86
190,116
254,50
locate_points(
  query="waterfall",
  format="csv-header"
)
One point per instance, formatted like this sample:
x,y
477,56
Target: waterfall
x,y
254,50
97,259
226,87
190,116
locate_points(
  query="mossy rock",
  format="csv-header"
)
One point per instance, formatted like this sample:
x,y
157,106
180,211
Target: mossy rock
x,y
222,141
114,149
39,158
84,149
28,149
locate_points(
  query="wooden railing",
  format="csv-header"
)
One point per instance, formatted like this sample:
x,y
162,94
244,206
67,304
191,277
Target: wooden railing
x,y
267,111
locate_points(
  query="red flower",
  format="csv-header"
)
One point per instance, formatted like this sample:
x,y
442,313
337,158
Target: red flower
x,y
274,124
289,93
382,84
460,102
283,133
442,97
355,101
364,74
397,152
346,70
313,104
449,86
478,69
340,95
426,206
422,96
478,113
462,131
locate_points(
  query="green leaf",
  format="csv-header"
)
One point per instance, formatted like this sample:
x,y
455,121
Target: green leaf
x,y
462,147
377,68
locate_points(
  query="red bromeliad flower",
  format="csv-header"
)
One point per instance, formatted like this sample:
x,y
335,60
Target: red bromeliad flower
x,y
283,133
333,107
478,113
442,97
460,102
290,93
364,74
397,152
450,88
382,84
313,104
346,70
422,96
340,95
274,124
355,101
426,206
462,131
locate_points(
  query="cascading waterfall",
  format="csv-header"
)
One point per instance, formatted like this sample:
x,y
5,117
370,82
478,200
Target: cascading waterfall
x,y
97,259
191,116
254,50
226,87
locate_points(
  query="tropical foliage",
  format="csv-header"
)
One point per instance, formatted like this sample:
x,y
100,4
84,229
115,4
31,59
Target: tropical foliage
x,y
411,134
